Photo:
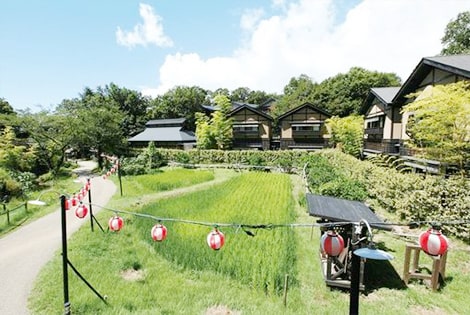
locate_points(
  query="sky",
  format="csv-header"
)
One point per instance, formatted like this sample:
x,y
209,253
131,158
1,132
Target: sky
x,y
50,50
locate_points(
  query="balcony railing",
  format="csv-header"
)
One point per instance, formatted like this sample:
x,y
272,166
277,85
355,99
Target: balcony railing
x,y
374,131
388,146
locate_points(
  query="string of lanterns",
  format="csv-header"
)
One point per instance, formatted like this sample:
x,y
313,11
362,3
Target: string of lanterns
x,y
115,165
432,241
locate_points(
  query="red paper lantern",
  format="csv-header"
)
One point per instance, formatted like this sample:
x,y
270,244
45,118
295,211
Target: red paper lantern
x,y
104,176
113,170
159,232
108,173
215,239
81,211
116,223
68,204
74,200
332,243
433,242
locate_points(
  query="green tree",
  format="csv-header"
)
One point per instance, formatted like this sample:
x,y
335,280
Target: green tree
x,y
203,132
132,104
14,157
456,39
181,101
297,92
346,133
259,97
50,134
216,132
240,94
344,93
5,107
221,124
96,119
440,123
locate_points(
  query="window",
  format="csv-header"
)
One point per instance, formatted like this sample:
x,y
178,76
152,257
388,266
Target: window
x,y
375,122
245,128
306,127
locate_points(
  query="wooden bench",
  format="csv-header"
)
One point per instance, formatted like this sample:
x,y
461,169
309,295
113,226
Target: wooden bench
x,y
438,266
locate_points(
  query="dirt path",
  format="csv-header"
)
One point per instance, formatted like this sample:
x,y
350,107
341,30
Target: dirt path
x,y
26,250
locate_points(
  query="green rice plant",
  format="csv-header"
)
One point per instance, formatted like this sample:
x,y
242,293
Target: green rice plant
x,y
162,181
253,198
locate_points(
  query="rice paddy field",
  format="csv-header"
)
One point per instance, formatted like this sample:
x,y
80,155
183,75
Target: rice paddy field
x,y
261,270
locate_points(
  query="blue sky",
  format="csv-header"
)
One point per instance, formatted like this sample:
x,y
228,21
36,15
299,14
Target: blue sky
x,y
52,49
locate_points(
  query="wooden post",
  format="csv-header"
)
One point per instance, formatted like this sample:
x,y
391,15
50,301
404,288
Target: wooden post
x,y
286,284
8,213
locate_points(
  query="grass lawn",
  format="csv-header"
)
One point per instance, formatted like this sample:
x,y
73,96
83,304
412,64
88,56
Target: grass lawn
x,y
183,275
23,214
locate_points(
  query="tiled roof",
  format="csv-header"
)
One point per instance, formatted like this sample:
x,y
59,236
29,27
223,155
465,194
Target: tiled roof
x,y
293,110
164,134
385,94
248,107
456,64
163,122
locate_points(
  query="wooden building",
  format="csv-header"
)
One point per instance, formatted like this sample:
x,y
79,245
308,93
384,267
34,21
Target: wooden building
x,y
252,129
165,133
382,128
303,127
385,126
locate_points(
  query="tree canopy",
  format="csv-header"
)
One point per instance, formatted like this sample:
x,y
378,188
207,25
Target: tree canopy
x,y
344,93
5,107
340,95
297,92
456,39
347,133
179,102
216,132
439,126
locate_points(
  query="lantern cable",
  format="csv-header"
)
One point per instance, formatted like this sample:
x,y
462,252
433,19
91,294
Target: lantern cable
x,y
246,227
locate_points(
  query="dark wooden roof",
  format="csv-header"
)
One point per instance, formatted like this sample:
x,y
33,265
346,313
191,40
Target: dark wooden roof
x,y
385,95
293,110
251,109
342,210
235,105
164,134
165,130
456,64
165,122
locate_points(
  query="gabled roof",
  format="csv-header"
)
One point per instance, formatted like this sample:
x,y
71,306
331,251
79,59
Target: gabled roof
x,y
288,113
165,122
164,134
164,130
385,95
267,104
248,107
456,64
213,108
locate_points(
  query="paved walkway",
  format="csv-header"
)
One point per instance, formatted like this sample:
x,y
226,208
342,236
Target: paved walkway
x,y
26,250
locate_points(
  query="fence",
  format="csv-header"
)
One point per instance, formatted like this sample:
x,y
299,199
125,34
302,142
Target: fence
x,y
6,211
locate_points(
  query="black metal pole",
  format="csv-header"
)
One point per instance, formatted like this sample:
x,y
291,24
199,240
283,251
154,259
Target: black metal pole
x,y
119,174
354,289
89,204
63,210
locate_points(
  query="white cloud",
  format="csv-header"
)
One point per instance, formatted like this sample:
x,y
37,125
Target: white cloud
x,y
382,35
251,18
150,32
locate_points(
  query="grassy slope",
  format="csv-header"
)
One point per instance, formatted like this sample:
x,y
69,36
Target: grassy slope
x,y
167,288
